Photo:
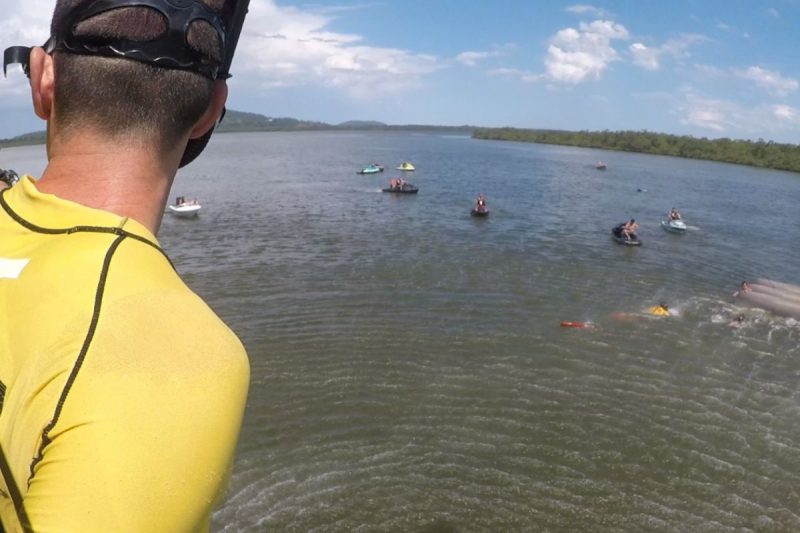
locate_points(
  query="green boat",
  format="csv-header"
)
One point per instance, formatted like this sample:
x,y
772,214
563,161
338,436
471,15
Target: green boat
x,y
371,169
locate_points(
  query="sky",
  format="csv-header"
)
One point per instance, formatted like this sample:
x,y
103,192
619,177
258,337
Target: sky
x,y
706,68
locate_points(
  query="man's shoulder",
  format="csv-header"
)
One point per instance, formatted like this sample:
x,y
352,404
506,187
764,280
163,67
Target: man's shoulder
x,y
171,330
174,309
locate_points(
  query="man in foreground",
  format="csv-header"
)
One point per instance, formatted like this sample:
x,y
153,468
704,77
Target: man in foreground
x,y
121,392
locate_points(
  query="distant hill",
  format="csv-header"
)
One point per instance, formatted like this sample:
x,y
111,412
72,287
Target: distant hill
x,y
362,124
37,137
240,121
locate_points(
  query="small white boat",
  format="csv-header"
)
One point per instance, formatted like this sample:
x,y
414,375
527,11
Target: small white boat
x,y
185,208
674,226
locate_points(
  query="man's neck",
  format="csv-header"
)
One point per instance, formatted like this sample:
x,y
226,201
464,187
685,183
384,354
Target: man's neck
x,y
127,180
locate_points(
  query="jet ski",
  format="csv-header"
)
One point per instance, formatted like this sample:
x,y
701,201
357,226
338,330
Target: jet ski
x,y
674,226
616,234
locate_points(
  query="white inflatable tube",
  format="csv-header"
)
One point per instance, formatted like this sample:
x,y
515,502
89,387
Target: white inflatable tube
x,y
777,293
775,304
787,287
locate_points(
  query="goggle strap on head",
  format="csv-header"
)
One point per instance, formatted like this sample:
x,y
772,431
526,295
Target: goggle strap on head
x,y
170,50
195,146
17,54
180,14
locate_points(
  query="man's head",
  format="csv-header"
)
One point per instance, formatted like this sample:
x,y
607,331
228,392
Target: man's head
x,y
136,71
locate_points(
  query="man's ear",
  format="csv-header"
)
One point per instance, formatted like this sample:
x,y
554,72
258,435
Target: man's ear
x,y
213,111
42,82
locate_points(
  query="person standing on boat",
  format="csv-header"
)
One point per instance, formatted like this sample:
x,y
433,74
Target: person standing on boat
x,y
106,422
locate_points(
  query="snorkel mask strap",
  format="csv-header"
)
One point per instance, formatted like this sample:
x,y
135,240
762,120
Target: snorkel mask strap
x,y
17,54
170,51
196,146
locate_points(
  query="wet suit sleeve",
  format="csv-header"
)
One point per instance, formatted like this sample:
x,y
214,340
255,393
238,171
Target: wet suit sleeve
x,y
147,433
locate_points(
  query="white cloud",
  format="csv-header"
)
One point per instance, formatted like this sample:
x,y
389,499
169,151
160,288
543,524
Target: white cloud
x,y
584,9
787,113
650,57
506,72
279,47
644,57
523,75
703,112
771,81
679,46
772,12
576,55
471,59
705,118
732,119
286,46
606,28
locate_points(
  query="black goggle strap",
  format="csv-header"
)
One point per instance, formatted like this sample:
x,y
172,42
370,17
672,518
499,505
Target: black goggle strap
x,y
17,54
232,37
196,146
177,33
169,51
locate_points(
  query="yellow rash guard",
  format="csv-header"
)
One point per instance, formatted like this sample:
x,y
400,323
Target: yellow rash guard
x,y
121,392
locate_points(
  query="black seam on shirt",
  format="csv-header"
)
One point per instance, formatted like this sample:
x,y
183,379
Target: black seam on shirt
x,y
76,229
98,300
13,490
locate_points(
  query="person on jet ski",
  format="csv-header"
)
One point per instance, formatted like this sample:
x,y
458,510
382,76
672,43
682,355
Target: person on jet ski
x,y
628,230
480,203
674,214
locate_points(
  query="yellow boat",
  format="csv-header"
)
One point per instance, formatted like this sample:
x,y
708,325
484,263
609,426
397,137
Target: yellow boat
x,y
405,165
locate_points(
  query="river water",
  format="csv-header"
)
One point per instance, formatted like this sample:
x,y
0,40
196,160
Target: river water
x,y
408,368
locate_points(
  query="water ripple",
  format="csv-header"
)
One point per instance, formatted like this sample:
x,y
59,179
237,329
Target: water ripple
x,y
408,368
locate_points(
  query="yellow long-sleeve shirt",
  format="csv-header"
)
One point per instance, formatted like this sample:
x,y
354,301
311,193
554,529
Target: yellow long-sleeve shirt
x,y
121,392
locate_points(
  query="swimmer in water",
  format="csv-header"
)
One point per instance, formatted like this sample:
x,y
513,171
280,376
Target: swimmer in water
x,y
743,288
737,322
661,309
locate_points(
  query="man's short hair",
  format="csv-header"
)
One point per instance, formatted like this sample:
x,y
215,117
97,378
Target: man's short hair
x,y
127,98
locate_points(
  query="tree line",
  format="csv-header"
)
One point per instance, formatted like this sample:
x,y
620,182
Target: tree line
x,y
240,121
760,153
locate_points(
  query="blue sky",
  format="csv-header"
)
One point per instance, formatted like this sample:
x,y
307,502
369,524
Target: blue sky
x,y
706,68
